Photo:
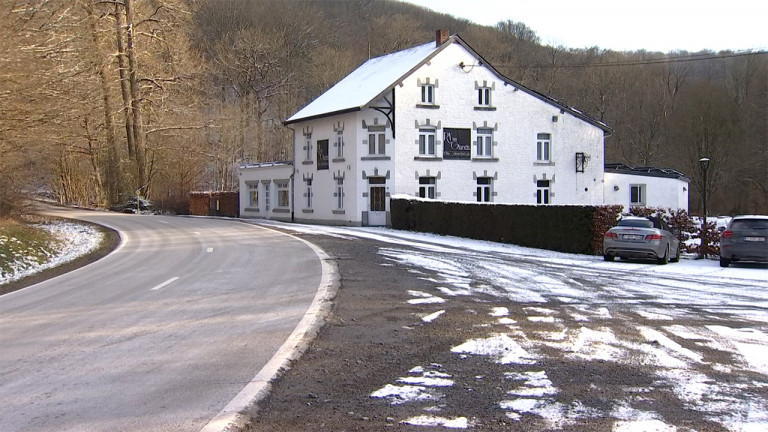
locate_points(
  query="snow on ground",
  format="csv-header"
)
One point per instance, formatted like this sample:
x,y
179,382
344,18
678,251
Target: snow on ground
x,y
75,240
725,311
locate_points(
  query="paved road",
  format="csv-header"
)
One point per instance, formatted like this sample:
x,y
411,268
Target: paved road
x,y
158,336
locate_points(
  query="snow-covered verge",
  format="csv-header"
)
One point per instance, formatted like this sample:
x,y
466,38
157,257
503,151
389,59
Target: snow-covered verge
x,y
698,333
73,240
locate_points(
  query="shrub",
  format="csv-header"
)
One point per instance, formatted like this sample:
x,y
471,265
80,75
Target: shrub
x,y
604,218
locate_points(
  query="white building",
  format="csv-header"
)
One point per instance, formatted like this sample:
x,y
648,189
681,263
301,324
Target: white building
x,y
435,121
645,187
265,190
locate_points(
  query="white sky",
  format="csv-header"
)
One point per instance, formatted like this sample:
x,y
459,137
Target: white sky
x,y
624,25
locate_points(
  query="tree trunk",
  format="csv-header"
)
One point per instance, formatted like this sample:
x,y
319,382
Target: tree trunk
x,y
138,127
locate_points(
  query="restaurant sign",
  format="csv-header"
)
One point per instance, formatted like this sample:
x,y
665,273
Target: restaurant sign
x,y
457,143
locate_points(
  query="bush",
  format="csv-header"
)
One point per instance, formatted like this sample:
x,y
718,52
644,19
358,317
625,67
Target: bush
x,y
604,218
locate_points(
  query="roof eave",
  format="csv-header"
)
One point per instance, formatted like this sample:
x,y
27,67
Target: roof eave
x,y
323,115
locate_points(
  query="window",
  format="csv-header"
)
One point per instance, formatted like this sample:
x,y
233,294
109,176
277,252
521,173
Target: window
x,y
378,194
543,147
428,94
377,141
637,194
339,194
266,196
308,148
339,146
484,96
282,194
322,155
309,193
484,144
484,193
542,192
426,142
427,187
253,193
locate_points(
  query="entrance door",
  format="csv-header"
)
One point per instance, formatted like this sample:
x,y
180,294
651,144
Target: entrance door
x,y
377,210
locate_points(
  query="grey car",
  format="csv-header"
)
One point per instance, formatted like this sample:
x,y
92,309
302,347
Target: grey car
x,y
641,238
745,239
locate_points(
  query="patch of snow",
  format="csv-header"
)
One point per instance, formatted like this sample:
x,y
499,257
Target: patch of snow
x,y
75,240
402,394
642,426
654,335
500,347
433,316
499,312
424,420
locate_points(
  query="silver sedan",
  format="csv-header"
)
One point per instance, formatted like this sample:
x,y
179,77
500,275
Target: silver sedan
x,y
641,238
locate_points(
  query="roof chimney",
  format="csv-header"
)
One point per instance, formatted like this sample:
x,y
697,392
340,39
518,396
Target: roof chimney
x,y
440,37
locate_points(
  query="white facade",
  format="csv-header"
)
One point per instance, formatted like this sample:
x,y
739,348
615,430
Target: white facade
x,y
265,190
515,145
438,121
646,189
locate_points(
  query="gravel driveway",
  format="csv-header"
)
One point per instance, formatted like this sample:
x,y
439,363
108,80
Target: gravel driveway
x,y
426,334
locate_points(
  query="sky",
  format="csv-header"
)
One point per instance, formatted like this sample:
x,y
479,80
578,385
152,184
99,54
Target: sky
x,y
626,25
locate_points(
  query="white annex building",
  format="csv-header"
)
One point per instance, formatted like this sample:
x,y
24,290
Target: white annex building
x,y
435,121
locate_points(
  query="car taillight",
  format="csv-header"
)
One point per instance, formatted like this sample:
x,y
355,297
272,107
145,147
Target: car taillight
x,y
611,235
727,234
653,237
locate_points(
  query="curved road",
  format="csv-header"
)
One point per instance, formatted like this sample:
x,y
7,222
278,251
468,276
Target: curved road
x,y
158,336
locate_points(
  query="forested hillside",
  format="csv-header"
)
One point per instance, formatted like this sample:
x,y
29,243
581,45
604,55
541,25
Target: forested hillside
x,y
99,99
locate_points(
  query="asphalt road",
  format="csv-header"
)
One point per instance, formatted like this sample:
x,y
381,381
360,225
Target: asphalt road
x,y
158,336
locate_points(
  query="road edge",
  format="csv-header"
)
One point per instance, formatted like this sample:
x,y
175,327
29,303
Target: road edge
x,y
235,414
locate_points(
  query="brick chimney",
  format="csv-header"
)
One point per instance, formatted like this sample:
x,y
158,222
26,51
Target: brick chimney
x,y
440,37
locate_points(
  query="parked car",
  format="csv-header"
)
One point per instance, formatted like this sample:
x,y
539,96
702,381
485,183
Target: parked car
x,y
745,239
641,238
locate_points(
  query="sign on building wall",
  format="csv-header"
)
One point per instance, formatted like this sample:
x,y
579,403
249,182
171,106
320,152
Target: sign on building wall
x,y
457,143
322,155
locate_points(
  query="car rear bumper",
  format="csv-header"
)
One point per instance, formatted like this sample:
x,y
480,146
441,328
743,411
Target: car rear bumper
x,y
632,253
745,252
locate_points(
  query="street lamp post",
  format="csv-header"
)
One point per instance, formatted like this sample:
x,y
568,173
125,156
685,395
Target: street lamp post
x,y
704,162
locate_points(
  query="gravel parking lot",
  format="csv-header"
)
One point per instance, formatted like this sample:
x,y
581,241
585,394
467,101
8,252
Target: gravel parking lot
x,y
432,331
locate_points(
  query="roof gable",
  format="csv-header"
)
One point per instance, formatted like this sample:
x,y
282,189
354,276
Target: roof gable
x,y
376,76
365,83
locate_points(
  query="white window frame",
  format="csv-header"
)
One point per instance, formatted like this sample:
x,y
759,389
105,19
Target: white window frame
x,y
267,198
427,94
484,143
543,147
253,195
283,195
543,192
428,187
484,189
339,145
484,96
308,148
339,193
377,140
641,192
427,142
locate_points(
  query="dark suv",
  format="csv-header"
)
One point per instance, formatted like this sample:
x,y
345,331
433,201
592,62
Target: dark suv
x,y
745,239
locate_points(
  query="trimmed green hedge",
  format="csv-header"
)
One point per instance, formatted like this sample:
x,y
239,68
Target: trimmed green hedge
x,y
559,228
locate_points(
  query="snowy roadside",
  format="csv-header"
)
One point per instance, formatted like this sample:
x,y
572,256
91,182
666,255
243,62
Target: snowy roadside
x,y
75,240
695,333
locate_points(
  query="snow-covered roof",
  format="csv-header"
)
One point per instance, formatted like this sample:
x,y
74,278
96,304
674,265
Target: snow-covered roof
x,y
266,164
648,171
365,83
376,76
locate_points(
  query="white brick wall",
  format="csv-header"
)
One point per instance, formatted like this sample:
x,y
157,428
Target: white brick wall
x,y
660,191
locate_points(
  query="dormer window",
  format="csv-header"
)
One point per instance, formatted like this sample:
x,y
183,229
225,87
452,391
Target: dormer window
x,y
428,94
427,91
484,95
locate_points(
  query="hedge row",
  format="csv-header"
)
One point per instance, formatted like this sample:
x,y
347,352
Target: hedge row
x,y
572,229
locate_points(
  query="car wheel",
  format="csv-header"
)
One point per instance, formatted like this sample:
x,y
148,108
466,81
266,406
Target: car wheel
x,y
608,257
665,259
724,262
